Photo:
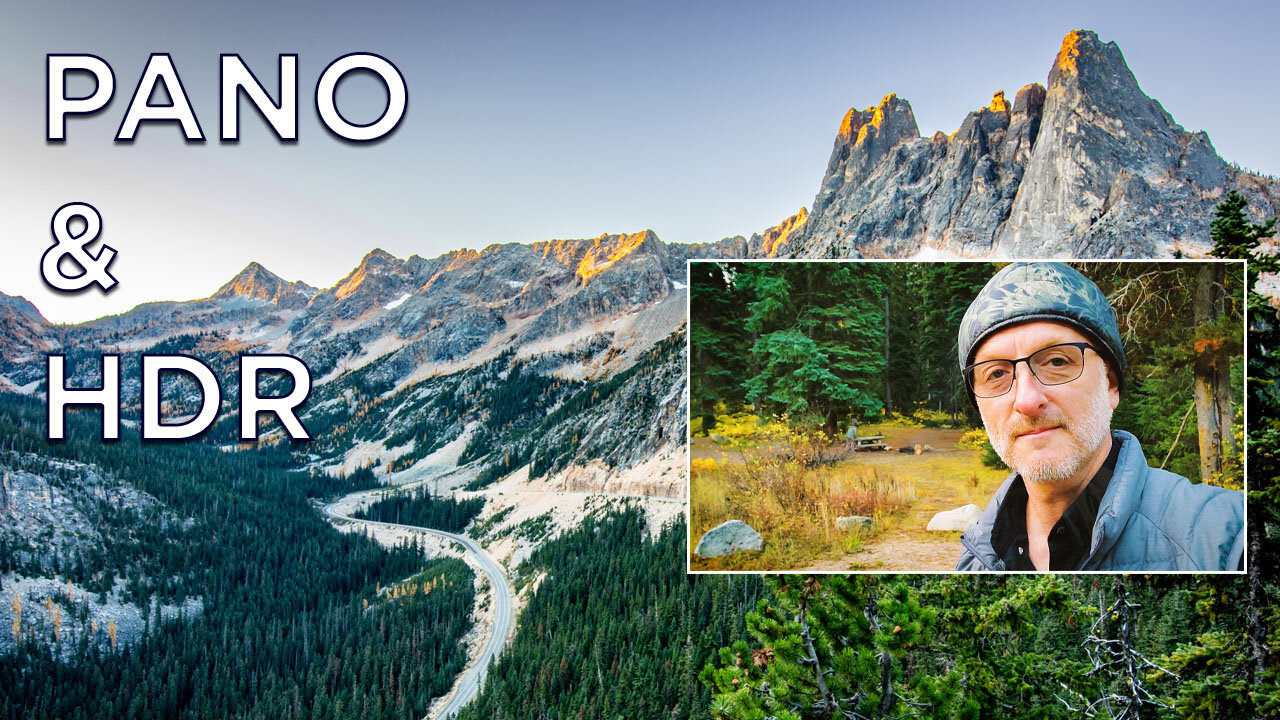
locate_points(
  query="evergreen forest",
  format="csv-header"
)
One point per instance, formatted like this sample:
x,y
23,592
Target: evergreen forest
x,y
826,344
298,620
423,508
616,628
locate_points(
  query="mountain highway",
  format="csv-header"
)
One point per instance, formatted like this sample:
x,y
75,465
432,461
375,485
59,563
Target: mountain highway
x,y
469,684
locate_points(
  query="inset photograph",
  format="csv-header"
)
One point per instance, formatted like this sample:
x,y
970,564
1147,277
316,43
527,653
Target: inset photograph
x,y
887,416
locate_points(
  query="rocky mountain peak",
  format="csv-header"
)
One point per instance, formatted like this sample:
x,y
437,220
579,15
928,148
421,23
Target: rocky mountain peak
x,y
606,250
461,258
864,138
259,283
1029,100
378,259
1083,55
1091,75
774,240
1112,173
1086,165
24,334
588,258
376,263
891,121
23,307
378,254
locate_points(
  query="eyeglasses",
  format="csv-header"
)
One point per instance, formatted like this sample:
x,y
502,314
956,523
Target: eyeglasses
x,y
1053,365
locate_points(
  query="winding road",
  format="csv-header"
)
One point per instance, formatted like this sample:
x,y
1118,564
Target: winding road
x,y
471,680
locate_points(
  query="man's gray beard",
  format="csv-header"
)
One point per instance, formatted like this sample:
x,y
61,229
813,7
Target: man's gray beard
x,y
1088,431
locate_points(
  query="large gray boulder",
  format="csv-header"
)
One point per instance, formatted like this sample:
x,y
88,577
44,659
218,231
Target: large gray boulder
x,y
853,522
728,537
961,519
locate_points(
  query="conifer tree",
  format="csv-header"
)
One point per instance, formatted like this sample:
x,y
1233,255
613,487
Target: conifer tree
x,y
819,338
1125,693
1232,669
870,647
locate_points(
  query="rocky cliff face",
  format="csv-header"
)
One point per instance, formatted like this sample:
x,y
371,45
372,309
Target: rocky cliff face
x,y
24,336
410,355
1084,166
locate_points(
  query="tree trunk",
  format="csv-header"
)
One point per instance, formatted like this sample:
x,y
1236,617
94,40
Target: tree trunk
x,y
706,406
1257,600
886,684
1214,408
888,393
1128,673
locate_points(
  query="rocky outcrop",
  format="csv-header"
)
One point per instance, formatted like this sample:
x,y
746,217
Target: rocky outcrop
x,y
772,241
634,413
864,138
24,336
1112,174
1084,166
259,283
888,194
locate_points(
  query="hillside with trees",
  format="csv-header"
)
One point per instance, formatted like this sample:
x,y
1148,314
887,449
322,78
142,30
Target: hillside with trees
x,y
298,620
615,629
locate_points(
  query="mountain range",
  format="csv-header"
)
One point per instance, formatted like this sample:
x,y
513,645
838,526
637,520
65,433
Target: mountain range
x,y
554,370
1084,166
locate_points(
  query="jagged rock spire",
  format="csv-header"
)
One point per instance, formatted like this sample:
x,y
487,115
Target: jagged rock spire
x,y
1084,166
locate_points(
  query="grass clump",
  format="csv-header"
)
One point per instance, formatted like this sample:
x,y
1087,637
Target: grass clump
x,y
792,499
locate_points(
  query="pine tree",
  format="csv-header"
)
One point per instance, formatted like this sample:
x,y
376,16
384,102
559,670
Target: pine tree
x,y
829,647
819,340
1116,661
867,647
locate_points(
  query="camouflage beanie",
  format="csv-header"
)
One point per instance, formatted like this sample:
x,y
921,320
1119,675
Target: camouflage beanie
x,y
1042,291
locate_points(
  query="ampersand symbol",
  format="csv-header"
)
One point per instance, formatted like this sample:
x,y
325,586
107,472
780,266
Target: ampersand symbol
x,y
94,267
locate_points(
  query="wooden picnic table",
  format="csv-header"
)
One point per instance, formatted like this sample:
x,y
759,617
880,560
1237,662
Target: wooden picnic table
x,y
866,442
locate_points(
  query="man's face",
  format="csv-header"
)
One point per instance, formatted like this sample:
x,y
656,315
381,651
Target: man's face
x,y
1047,433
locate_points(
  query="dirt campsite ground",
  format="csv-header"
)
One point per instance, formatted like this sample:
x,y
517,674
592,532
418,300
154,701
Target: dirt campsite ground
x,y
944,477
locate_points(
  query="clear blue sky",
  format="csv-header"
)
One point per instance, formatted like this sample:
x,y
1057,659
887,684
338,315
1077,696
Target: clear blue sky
x,y
532,121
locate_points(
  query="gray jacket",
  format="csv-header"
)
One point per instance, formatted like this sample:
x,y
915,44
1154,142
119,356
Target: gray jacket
x,y
1149,520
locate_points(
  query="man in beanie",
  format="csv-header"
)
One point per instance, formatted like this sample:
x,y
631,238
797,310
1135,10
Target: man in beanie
x,y
1043,361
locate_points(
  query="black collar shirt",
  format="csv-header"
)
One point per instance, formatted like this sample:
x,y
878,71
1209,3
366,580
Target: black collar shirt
x,y
1071,537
